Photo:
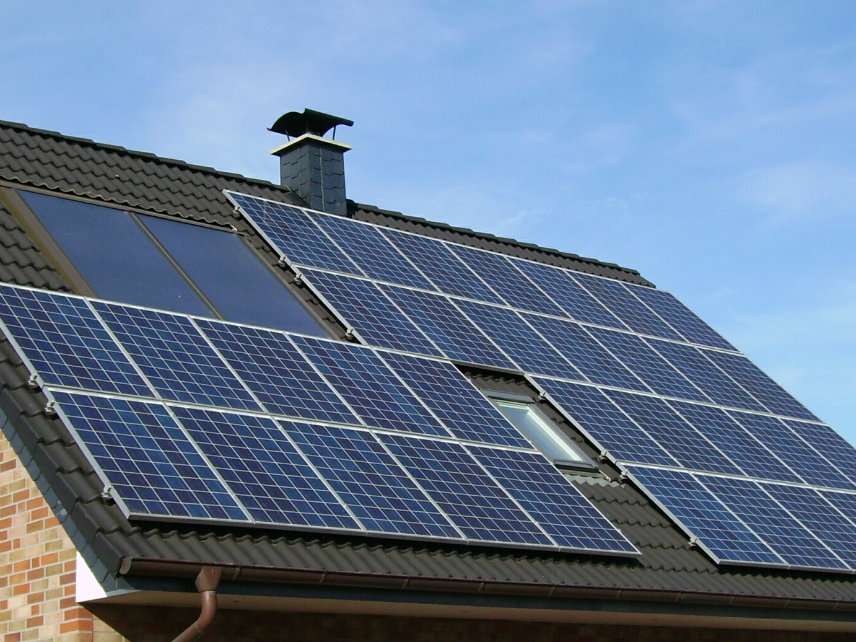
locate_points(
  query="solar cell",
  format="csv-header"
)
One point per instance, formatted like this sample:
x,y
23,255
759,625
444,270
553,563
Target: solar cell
x,y
455,401
646,364
518,340
455,335
293,234
277,374
674,434
844,502
552,501
371,251
828,442
586,354
268,475
66,343
147,459
726,434
602,420
369,481
370,388
447,272
625,306
175,357
506,280
764,389
464,491
748,501
370,313
711,380
699,512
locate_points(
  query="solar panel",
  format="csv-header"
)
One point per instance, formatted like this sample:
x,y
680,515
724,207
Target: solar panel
x,y
147,459
621,302
518,340
268,475
711,380
371,251
646,364
602,420
369,312
573,299
748,501
447,272
552,501
698,512
455,335
369,481
764,389
811,466
844,502
828,442
66,343
726,434
506,280
680,317
277,374
175,357
586,354
370,388
293,234
673,433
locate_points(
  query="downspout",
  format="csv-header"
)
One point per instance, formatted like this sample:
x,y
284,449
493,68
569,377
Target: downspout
x,y
206,583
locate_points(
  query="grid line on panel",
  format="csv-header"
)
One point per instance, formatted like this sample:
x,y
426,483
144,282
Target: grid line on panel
x,y
175,357
65,343
844,502
147,459
825,440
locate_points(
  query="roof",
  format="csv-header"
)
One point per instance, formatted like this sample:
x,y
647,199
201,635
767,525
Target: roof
x,y
668,567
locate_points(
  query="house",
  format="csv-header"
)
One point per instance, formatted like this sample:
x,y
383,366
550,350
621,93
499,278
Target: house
x,y
97,220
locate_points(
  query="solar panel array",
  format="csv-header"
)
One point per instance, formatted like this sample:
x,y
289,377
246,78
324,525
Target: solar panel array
x,y
191,419
694,422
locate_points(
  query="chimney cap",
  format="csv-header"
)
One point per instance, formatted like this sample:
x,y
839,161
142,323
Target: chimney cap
x,y
295,123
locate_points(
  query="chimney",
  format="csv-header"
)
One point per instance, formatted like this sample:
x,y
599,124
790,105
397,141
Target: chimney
x,y
310,165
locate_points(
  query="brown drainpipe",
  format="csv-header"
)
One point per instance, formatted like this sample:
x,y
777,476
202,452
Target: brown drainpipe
x,y
206,583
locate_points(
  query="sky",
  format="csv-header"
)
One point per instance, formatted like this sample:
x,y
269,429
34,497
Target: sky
x,y
710,145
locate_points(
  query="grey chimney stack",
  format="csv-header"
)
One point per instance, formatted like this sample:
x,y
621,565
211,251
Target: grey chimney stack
x,y
311,165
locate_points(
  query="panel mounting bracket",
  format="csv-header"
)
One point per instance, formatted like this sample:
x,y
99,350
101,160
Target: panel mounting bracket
x,y
107,493
50,408
35,382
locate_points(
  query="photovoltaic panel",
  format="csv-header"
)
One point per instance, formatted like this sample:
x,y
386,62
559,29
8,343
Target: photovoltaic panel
x,y
506,280
464,491
586,354
455,335
699,512
268,475
726,434
518,340
175,357
370,313
370,388
680,317
148,461
66,343
775,526
277,374
447,272
674,434
711,380
810,465
828,442
844,502
573,299
646,364
818,516
371,251
294,234
456,401
598,417
764,389
369,481
625,306
552,501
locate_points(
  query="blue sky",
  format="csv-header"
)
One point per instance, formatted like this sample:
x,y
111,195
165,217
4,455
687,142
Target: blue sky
x,y
708,144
